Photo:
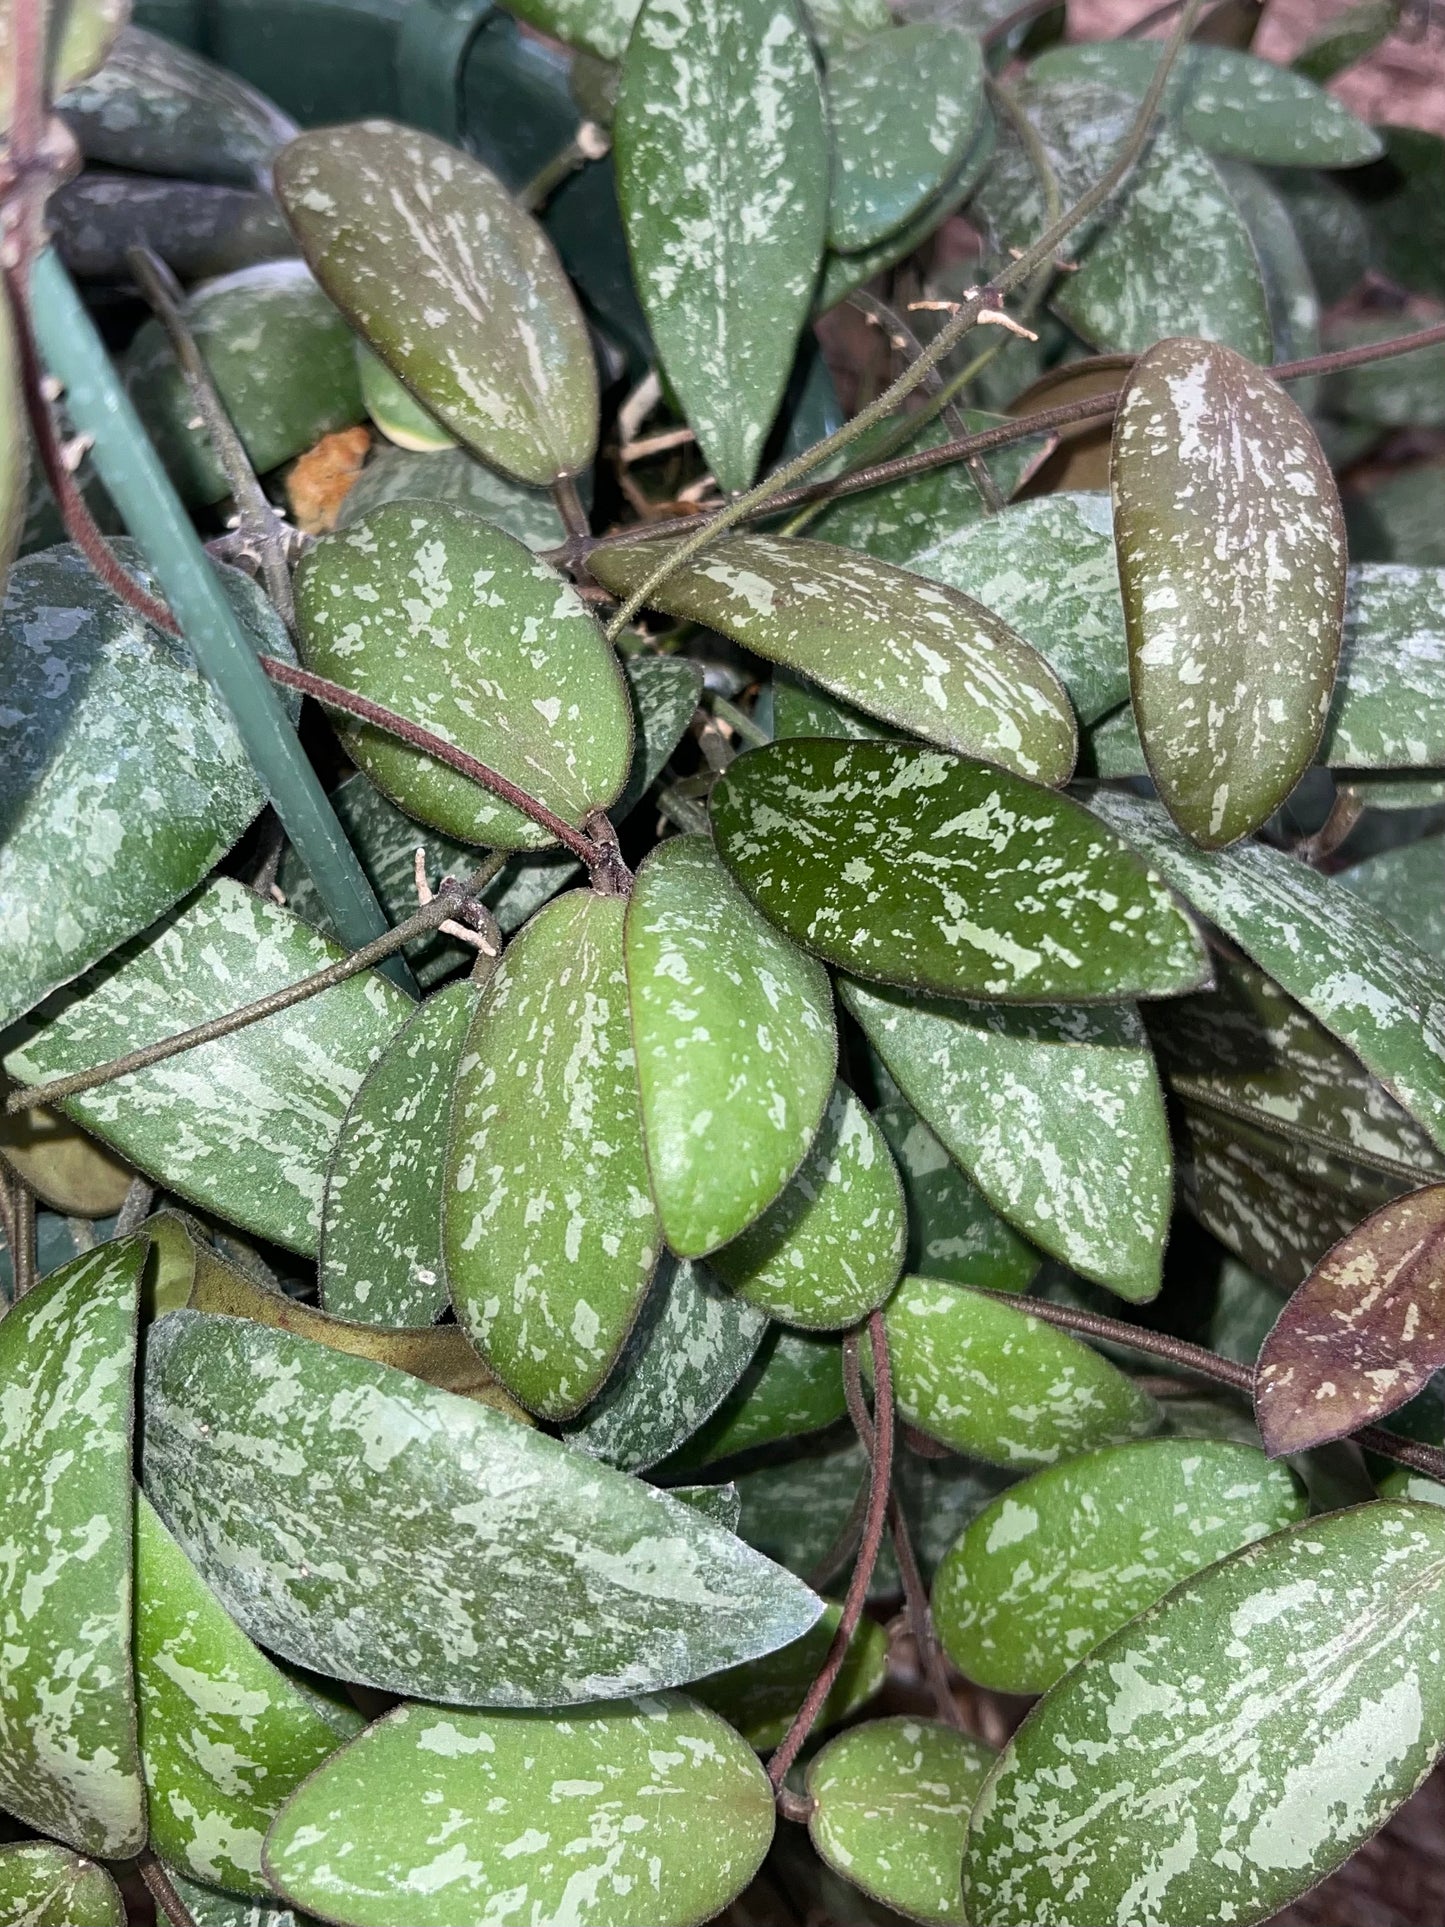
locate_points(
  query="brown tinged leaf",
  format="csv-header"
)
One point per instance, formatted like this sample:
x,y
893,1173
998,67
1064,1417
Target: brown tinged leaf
x,y
1364,1332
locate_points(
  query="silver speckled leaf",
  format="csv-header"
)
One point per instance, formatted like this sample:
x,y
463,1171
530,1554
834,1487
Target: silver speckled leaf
x,y
722,173
455,287
549,1232
1243,1736
793,1385
1359,975
916,653
242,1126
1047,568
1054,1111
601,27
428,1546
84,30
1389,703
1408,886
829,1249
122,778
69,1755
665,692
953,1230
1065,1557
902,108
691,1344
735,1042
381,1229
225,1735
454,475
621,1815
915,867
209,1907
761,1698
1232,563
432,612
42,1885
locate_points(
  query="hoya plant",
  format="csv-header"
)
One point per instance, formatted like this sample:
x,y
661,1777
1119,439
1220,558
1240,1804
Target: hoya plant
x,y
722,892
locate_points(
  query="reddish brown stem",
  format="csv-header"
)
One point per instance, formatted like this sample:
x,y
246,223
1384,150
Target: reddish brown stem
x,y
880,1483
162,1891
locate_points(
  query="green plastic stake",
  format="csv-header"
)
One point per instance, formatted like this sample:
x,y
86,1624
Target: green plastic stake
x,y
131,470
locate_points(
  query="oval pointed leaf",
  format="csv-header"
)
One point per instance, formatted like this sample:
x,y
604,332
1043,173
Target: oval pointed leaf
x,y
42,1885
64,1167
761,1698
1363,1334
1251,1730
1066,1557
241,1126
1232,563
225,1736
422,607
1047,568
735,1045
918,654
69,1758
902,108
456,289
634,1812
919,868
691,1344
122,777
395,410
548,1228
953,1230
1055,1112
794,1385
982,1376
381,1240
1352,969
725,255
425,1545
891,1801
829,1249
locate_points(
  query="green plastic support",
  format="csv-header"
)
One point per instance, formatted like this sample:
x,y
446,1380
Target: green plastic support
x,y
132,472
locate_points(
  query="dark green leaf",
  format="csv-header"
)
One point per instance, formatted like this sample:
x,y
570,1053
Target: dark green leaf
x,y
890,1813
720,1503
282,361
1252,1730
456,289
793,1386
1331,228
921,868
550,1236
1407,886
1399,516
953,1231
1407,391
1232,564
691,1344
984,1377
381,1237
122,777
1066,1557
42,1885
555,717
455,476
761,1698
428,1546
726,253
1055,1113
665,692
69,1758
600,26
1406,212
916,654
902,110
735,1043
242,1126
1353,34
199,229
1389,703
210,1908
829,1249
1289,289
1230,102
653,1810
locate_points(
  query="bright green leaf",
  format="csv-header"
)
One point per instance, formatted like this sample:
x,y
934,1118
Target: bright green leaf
x,y
651,1810
1061,1560
601,27
122,777
920,868
549,1232
735,1044
69,1758
422,607
1232,564
983,1376
395,410
761,1698
42,1885
794,1385
726,250
953,1231
917,654
453,285
1252,1729
426,1545
381,1239
1054,1111
242,1126
891,1801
